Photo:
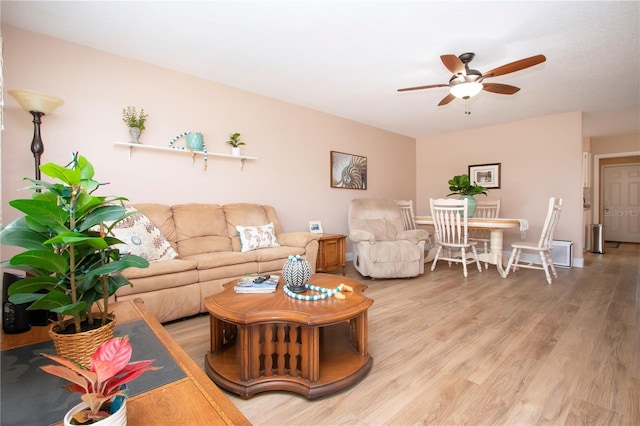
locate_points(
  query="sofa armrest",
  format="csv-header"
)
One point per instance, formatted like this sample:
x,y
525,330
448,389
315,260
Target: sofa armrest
x,y
360,235
413,235
296,239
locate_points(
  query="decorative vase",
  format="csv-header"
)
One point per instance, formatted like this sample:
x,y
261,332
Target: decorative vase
x,y
119,418
296,273
80,346
134,132
471,204
195,141
235,151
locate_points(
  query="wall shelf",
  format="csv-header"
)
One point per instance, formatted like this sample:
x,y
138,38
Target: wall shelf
x,y
193,153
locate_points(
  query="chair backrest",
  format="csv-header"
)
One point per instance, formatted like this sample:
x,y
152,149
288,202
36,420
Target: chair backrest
x,y
450,218
406,209
487,208
381,217
553,215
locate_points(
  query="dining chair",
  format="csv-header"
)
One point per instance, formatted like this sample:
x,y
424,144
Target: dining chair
x,y
543,248
484,209
450,220
408,217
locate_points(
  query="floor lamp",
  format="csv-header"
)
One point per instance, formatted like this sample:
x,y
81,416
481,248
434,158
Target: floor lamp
x,y
37,104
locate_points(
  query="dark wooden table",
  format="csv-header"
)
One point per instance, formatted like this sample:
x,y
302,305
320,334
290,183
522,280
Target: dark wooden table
x,y
190,400
264,342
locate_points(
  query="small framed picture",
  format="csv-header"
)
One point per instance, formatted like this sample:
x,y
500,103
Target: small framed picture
x,y
487,175
315,226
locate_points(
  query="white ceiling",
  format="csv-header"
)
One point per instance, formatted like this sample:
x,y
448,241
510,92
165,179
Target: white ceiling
x,y
347,58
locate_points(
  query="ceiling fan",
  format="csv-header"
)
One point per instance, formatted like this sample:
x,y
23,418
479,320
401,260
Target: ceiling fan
x,y
466,83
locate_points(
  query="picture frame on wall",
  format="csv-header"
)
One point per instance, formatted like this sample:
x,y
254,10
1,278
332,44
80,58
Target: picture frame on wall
x,y
487,175
348,171
315,226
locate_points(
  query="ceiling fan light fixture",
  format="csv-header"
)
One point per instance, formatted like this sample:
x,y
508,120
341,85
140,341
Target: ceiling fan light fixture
x,y
466,90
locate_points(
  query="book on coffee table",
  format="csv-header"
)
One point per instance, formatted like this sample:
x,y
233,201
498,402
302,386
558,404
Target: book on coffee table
x,y
257,284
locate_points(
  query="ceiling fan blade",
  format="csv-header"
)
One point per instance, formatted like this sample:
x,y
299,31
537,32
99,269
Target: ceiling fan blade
x,y
453,63
446,99
501,89
430,86
515,66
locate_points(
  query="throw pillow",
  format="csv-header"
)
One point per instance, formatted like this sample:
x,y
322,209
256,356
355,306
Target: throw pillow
x,y
141,237
256,237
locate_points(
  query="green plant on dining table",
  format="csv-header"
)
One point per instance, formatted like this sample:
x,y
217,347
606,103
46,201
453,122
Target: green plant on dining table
x,y
462,185
68,255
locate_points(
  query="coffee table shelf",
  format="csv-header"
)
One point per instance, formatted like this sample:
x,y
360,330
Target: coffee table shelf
x,y
262,342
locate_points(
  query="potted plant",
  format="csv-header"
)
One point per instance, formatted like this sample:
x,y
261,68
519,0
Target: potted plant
x,y
102,384
134,121
462,186
235,142
69,258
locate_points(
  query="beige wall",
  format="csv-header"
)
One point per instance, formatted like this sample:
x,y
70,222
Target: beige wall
x,y
540,157
615,144
292,143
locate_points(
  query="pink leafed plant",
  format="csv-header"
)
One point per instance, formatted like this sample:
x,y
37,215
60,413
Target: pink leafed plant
x,y
110,369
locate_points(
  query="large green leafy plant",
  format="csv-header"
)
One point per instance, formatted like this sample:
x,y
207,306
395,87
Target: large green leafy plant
x,y
462,185
69,258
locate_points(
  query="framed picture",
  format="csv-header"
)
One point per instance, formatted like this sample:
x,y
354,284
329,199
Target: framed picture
x,y
348,171
315,226
487,175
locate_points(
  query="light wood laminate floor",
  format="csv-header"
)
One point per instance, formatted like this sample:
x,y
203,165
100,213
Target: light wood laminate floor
x,y
482,350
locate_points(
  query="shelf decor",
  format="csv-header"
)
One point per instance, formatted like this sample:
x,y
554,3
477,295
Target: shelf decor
x,y
195,142
193,153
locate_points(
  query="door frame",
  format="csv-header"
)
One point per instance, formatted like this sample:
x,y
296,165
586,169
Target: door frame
x,y
596,179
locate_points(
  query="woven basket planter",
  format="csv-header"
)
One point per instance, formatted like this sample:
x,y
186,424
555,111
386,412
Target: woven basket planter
x,y
80,346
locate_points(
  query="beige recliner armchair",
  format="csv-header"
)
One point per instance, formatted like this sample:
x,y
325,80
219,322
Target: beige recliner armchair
x,y
382,248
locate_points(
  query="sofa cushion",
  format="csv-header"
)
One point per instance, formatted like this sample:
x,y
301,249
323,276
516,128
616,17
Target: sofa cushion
x,y
247,214
200,228
161,216
160,268
256,237
141,237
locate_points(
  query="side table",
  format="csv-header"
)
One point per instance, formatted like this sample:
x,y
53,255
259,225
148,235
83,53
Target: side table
x,y
331,253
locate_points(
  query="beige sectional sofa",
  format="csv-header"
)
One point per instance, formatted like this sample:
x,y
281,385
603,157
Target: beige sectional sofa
x,y
209,254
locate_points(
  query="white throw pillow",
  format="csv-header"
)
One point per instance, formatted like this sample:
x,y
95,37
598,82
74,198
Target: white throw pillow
x,y
141,237
256,237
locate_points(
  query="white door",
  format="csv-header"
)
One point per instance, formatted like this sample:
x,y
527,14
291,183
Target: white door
x,y
622,203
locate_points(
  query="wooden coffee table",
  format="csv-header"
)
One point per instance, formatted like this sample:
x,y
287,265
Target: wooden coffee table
x,y
264,342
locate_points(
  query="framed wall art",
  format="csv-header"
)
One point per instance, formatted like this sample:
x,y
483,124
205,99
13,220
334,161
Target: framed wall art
x,y
348,171
487,175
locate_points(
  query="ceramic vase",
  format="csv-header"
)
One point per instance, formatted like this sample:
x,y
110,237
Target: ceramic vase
x,y
235,151
195,141
471,204
134,132
296,273
119,418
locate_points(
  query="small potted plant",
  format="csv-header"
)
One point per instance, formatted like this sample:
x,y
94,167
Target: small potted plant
x,y
69,257
101,385
235,142
134,121
461,185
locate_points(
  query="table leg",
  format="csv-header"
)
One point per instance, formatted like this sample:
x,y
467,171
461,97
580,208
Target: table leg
x,y
495,257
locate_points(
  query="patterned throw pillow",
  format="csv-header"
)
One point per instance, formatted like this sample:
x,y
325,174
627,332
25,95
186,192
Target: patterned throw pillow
x,y
141,237
256,237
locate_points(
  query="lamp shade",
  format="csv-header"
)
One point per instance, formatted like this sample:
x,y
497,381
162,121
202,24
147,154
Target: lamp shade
x,y
31,100
466,90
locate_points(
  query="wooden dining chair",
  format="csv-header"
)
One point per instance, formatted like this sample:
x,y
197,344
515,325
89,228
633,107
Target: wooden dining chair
x,y
484,209
543,248
408,217
450,220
